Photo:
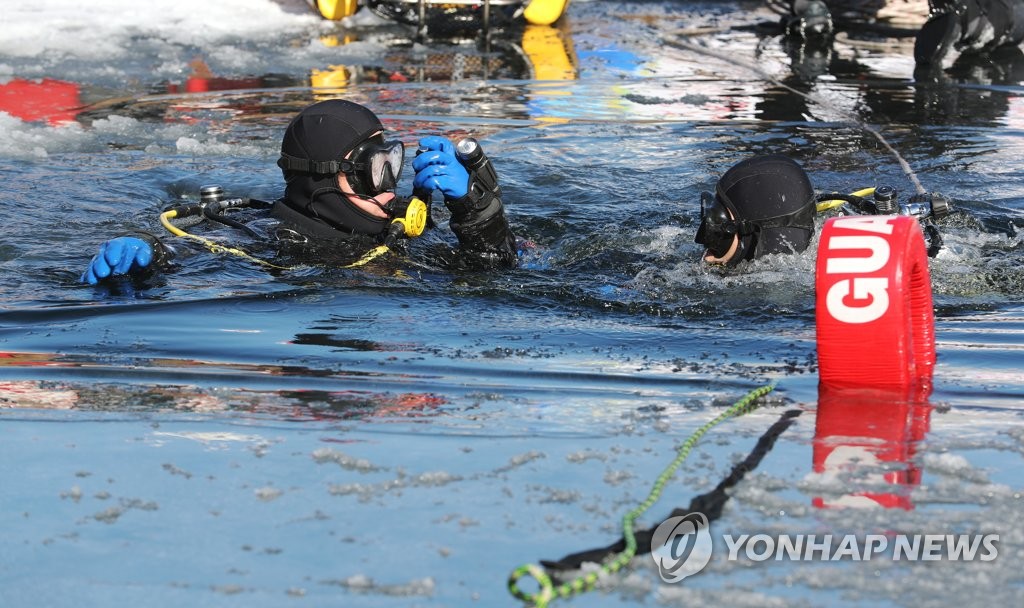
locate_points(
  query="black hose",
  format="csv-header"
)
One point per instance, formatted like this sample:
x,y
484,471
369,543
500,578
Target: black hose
x,y
212,212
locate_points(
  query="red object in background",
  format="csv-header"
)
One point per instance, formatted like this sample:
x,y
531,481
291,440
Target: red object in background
x,y
202,80
54,101
203,84
877,431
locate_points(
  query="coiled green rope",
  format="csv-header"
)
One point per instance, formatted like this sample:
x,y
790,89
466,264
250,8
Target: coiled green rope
x,y
548,591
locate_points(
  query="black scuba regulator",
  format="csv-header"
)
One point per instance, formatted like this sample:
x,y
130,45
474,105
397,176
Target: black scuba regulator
x,y
212,205
922,206
213,197
926,207
212,200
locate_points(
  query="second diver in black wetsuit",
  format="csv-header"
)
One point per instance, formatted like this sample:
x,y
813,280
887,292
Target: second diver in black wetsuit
x,y
766,205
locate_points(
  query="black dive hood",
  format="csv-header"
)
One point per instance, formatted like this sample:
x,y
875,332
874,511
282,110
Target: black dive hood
x,y
314,141
773,194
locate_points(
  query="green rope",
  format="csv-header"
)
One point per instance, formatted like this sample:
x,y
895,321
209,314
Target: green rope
x,y
586,582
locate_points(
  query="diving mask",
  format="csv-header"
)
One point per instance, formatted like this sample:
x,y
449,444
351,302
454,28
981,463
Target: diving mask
x,y
375,166
717,227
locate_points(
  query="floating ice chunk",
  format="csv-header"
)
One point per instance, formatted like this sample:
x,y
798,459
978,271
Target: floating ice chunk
x,y
364,584
210,437
519,460
109,29
268,494
345,461
953,465
434,478
584,455
75,493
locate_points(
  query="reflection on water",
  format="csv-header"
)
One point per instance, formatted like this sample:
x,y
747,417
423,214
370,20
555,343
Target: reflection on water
x,y
285,404
865,442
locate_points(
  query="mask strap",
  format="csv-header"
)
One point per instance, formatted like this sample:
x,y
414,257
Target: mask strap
x,y
315,167
707,199
800,218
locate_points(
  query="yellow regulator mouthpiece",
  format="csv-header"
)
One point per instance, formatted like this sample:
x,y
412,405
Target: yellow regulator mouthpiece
x,y
415,220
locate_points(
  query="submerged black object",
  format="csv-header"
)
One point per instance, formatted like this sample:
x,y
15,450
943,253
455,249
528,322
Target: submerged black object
x,y
969,26
808,19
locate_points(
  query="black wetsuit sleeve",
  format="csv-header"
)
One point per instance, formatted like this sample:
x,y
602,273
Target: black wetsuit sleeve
x,y
483,231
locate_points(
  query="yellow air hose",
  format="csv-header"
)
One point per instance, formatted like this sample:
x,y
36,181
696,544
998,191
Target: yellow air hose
x,y
213,246
832,204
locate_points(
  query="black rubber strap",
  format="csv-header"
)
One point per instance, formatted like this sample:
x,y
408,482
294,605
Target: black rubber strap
x,y
316,167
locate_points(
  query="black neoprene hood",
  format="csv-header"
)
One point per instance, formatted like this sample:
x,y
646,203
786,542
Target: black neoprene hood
x,y
324,132
329,130
766,187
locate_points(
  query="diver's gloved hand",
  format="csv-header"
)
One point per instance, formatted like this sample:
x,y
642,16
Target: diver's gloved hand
x,y
436,142
438,168
478,217
119,256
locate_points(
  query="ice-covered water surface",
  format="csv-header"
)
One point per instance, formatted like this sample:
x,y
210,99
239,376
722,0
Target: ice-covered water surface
x,y
225,436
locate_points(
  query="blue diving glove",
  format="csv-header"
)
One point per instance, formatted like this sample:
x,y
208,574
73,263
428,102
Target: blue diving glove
x,y
119,256
437,168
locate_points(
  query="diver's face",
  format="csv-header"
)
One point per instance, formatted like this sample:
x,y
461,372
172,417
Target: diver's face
x,y
372,205
711,259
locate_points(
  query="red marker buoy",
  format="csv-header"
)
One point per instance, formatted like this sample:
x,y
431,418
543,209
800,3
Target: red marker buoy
x,y
875,325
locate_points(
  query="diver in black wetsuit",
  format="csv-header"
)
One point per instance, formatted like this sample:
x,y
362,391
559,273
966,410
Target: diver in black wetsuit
x,y
969,26
972,27
340,178
765,205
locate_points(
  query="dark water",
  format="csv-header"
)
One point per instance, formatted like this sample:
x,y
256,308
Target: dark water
x,y
409,434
